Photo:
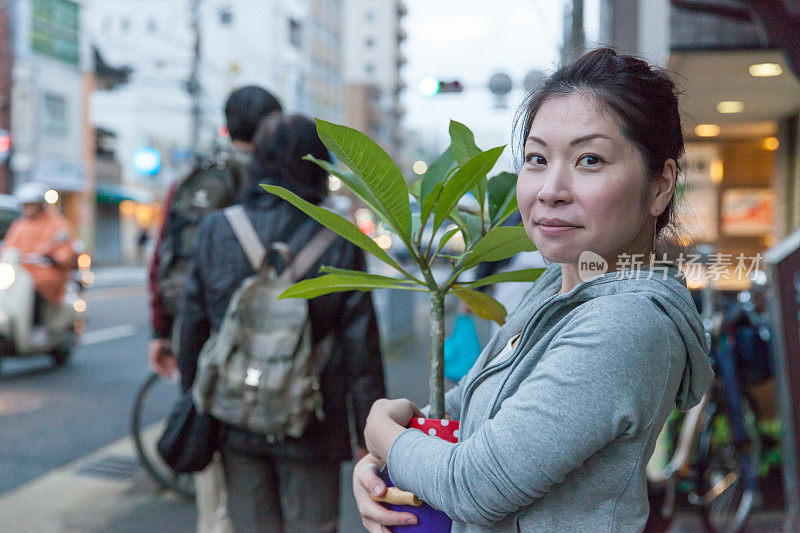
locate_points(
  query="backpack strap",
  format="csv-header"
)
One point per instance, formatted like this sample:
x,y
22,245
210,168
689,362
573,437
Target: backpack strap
x,y
309,255
246,235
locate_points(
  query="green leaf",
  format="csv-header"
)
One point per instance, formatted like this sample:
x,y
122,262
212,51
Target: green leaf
x,y
366,275
445,238
500,243
437,172
462,142
311,288
415,189
337,224
482,305
508,210
528,274
502,188
430,201
376,168
462,181
473,225
355,184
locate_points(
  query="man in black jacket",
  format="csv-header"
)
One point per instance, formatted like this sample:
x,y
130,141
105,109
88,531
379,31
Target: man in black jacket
x,y
294,484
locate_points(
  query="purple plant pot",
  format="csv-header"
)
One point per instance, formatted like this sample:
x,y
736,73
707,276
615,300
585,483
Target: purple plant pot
x,y
429,520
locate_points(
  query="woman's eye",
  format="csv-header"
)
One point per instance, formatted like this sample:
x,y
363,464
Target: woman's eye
x,y
591,160
535,159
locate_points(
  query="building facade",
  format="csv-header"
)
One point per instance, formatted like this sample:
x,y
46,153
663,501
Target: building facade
x,y
374,59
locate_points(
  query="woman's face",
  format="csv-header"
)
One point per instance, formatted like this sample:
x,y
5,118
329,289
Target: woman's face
x,y
587,179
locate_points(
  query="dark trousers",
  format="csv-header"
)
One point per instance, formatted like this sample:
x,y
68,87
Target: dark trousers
x,y
276,495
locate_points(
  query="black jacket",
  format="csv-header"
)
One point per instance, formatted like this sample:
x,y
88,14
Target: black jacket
x,y
354,373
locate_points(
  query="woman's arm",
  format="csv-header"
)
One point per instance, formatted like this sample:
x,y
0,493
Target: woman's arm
x,y
602,376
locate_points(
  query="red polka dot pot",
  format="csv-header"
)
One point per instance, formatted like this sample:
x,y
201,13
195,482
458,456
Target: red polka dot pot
x,y
429,520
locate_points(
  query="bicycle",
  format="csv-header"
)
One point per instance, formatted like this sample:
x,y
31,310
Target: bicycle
x,y
716,446
153,402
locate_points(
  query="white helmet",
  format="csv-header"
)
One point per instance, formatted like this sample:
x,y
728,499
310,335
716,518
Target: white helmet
x,y
31,192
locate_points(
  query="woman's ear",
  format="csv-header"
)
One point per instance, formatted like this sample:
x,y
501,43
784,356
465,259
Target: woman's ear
x,y
663,188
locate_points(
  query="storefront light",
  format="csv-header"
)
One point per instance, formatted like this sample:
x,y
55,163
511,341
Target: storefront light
x,y
706,130
771,144
730,106
716,171
765,70
334,183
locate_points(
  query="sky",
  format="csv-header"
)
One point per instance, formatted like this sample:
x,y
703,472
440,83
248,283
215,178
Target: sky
x,y
469,40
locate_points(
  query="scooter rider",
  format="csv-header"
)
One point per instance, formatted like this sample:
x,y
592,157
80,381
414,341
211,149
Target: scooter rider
x,y
45,235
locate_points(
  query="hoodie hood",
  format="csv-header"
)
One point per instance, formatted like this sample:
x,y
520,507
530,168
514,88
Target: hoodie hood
x,y
666,285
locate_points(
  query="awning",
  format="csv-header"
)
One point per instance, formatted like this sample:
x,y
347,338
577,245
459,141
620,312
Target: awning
x,y
108,193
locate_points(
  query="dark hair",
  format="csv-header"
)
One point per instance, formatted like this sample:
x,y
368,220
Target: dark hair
x,y
278,150
643,100
245,108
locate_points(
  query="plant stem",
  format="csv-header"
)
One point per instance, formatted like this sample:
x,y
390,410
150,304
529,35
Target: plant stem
x,y
436,384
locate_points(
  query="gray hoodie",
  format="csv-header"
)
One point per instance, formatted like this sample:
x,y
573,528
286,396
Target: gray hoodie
x,y
556,435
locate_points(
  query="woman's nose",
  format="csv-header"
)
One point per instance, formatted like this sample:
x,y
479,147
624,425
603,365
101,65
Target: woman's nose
x,y
556,187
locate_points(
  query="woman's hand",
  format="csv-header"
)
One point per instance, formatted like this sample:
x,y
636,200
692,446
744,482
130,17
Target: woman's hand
x,y
386,420
367,484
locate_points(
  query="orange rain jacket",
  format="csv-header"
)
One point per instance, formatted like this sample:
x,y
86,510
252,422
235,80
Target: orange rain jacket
x,y
46,233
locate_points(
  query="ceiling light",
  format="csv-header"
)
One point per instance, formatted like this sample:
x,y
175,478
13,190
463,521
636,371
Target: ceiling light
x,y
771,144
706,130
730,106
765,70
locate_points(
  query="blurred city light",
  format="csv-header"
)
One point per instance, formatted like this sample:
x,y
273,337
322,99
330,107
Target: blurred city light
x,y
79,305
384,241
765,70
428,86
334,183
366,226
420,167
222,131
127,207
147,161
716,171
7,276
730,106
84,261
771,143
51,196
706,130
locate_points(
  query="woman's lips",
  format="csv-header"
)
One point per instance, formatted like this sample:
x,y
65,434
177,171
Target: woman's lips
x,y
555,230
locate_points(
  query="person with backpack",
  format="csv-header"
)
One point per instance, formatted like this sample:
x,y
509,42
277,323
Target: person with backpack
x,y
281,375
214,183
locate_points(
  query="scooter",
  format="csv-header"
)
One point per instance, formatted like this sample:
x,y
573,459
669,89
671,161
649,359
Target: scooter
x,y
61,325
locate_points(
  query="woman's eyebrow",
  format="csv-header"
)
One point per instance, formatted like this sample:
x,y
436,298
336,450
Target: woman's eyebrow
x,y
575,141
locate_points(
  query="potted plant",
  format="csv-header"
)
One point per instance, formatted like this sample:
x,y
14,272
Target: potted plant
x,y
374,178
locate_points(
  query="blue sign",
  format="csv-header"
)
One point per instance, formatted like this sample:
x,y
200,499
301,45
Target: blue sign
x,y
147,161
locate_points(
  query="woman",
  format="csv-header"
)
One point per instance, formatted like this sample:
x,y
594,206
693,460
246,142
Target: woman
x,y
268,481
561,412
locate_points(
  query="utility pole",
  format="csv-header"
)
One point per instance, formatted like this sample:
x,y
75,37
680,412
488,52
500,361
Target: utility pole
x,y
193,84
575,42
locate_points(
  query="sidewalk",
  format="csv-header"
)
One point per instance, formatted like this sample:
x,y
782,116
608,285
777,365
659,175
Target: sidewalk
x,y
106,491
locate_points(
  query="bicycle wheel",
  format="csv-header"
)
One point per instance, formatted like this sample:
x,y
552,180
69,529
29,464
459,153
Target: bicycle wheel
x,y
155,399
727,471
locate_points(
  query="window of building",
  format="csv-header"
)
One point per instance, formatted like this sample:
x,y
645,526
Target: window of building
x,y
54,114
226,16
370,42
369,68
295,33
369,16
152,25
125,24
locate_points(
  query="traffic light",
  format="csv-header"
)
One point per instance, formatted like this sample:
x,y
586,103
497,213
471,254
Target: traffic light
x,y
430,86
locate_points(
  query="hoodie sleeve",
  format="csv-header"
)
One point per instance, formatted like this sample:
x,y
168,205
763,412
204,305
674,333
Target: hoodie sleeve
x,y
603,375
